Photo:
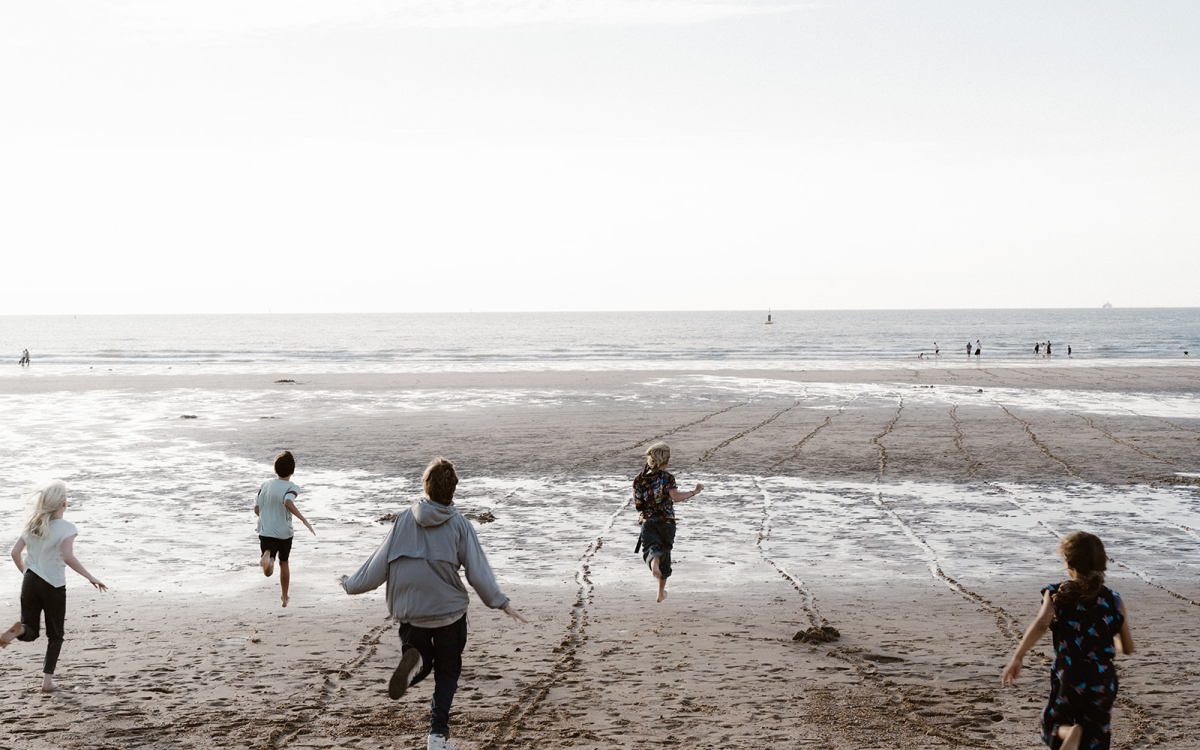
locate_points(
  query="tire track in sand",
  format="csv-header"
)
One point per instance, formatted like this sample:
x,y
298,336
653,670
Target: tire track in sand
x,y
1007,624
1041,446
289,729
819,631
907,711
800,445
1091,423
1011,498
511,722
712,451
672,431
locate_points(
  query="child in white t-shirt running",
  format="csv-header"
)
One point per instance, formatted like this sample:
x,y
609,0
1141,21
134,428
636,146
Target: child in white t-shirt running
x,y
48,544
275,506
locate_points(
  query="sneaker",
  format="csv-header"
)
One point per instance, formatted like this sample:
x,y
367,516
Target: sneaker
x,y
406,670
439,742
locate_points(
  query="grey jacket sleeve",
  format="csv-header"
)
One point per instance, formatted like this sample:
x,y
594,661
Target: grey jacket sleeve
x,y
373,573
479,572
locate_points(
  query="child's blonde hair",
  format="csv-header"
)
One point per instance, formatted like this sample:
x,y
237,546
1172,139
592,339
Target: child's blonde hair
x,y
657,456
46,503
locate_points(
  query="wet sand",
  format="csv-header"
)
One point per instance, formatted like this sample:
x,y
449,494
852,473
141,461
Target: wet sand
x,y
915,511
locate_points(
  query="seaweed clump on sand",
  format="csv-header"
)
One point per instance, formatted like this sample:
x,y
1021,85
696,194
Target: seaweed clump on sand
x,y
815,634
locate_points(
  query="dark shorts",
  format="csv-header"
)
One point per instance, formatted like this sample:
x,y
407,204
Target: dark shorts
x,y
276,546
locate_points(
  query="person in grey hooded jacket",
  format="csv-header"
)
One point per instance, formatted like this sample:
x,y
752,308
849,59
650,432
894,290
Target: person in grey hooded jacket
x,y
419,561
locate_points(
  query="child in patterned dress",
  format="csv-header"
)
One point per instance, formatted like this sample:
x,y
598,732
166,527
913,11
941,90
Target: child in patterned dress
x,y
1089,625
654,496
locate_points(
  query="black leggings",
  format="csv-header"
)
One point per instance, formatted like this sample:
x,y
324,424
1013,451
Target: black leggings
x,y
37,596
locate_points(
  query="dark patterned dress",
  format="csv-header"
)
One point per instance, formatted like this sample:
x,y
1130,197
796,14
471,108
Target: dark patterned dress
x,y
1083,681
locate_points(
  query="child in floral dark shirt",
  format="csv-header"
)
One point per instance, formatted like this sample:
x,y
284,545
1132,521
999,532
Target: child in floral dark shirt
x,y
654,496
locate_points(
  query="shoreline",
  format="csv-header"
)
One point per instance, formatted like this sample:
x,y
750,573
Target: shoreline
x,y
919,522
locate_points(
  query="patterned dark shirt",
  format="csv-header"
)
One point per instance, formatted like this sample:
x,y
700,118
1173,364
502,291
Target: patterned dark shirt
x,y
652,496
1083,681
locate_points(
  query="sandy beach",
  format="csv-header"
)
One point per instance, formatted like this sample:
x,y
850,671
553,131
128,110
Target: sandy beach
x,y
915,511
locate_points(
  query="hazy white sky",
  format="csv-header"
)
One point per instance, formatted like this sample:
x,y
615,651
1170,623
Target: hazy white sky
x,y
360,155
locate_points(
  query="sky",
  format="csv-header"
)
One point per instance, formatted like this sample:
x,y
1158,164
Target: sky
x,y
452,155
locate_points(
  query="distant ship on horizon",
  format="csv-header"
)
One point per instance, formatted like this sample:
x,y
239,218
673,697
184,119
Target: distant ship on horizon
x,y
1107,305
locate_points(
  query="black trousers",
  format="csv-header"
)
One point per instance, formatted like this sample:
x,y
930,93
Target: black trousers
x,y
441,652
37,597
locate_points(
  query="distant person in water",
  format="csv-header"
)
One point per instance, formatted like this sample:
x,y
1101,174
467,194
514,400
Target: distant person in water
x,y
936,352
1047,348
654,497
969,348
24,358
44,551
978,348
275,505
1037,349
1068,350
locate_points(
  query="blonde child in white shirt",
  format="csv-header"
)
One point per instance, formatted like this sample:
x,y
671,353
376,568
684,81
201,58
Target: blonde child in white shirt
x,y
48,544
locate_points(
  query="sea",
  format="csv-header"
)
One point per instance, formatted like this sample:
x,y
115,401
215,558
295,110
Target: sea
x,y
157,485
709,340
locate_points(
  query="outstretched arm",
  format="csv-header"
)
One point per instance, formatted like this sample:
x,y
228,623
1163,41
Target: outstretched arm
x,y
1036,630
296,512
678,496
17,549
68,555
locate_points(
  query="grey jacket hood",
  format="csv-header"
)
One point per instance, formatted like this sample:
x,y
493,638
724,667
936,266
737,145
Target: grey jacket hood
x,y
419,560
429,513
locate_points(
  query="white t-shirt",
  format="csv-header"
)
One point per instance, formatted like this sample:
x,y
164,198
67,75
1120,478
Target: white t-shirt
x,y
44,556
274,519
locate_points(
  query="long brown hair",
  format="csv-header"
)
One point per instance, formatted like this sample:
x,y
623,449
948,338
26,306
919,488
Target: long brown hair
x,y
1085,555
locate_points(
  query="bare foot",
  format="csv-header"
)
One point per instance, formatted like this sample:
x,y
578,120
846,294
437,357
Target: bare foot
x,y
11,634
662,594
267,563
48,685
655,567
285,601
